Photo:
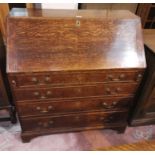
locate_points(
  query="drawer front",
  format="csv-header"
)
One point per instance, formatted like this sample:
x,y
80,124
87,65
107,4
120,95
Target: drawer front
x,y
73,78
74,92
73,120
59,107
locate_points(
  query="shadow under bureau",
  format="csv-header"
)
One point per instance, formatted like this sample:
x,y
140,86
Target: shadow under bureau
x,y
73,70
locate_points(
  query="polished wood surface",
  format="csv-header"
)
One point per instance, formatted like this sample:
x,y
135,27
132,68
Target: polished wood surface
x,y
75,78
77,43
73,70
73,120
27,109
146,145
98,90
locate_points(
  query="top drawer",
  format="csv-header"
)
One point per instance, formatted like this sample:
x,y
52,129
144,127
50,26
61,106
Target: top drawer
x,y
70,78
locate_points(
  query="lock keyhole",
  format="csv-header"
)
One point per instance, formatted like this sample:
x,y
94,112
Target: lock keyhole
x,y
78,23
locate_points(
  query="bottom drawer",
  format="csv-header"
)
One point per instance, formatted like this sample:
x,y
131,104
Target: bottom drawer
x,y
73,120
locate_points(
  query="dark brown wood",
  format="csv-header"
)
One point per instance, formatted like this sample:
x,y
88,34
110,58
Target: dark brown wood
x,y
73,78
98,90
144,112
73,120
27,136
27,109
73,70
100,32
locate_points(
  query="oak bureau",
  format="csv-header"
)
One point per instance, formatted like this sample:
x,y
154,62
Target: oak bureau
x,y
73,70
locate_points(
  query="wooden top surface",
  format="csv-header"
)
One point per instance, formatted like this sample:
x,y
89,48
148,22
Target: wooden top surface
x,y
149,38
44,42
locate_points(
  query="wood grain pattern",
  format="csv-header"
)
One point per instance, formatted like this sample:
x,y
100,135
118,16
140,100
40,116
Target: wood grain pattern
x,y
98,90
77,68
28,135
58,44
147,145
73,120
74,78
39,108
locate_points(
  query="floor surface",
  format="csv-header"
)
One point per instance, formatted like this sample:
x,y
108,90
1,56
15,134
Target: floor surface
x,y
86,140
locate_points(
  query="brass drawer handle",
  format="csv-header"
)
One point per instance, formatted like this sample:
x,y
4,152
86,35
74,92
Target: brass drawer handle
x,y
122,76
115,79
118,89
110,77
44,110
47,79
38,108
50,107
45,124
13,82
36,93
105,105
43,97
48,93
34,79
108,90
139,77
114,103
